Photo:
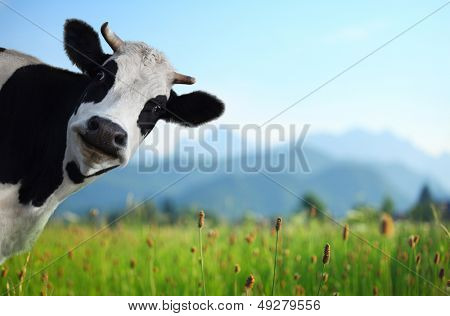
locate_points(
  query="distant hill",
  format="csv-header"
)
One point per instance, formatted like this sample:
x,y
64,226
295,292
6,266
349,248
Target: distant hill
x,y
364,146
338,177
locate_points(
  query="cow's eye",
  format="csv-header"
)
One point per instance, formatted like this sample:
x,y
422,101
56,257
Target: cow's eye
x,y
100,76
158,110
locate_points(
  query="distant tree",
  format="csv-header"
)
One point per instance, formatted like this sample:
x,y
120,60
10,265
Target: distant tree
x,y
169,210
313,205
149,213
113,218
422,211
445,211
425,195
387,206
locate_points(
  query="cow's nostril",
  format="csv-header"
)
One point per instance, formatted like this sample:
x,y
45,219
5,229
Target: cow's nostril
x,y
120,140
93,124
105,136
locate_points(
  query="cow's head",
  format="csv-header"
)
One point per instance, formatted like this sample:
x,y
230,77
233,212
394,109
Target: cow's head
x,y
128,92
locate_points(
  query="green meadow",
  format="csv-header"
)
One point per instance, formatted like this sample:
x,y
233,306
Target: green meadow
x,y
145,259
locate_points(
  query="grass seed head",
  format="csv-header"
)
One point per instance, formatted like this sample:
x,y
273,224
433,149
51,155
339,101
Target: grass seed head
x,y
212,234
237,268
44,277
201,219
326,254
345,232
278,224
313,211
133,263
250,282
21,274
413,240
375,291
5,270
299,290
418,259
441,274
93,213
250,238
149,242
437,258
232,239
387,225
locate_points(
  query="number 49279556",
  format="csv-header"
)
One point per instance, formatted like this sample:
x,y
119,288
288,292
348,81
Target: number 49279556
x,y
289,305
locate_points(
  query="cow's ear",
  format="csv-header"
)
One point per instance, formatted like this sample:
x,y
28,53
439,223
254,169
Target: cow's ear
x,y
82,46
192,109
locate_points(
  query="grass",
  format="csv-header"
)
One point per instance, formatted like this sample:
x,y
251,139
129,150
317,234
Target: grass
x,y
201,223
150,260
325,261
275,262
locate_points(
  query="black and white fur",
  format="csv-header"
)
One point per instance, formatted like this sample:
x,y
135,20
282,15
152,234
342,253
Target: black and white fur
x,y
43,159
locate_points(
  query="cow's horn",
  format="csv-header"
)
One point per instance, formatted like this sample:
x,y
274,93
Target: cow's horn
x,y
110,37
182,79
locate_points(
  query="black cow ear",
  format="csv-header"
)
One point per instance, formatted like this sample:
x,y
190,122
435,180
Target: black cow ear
x,y
82,46
193,109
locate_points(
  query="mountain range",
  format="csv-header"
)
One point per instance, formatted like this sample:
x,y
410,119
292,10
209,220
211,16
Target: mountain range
x,y
384,147
348,169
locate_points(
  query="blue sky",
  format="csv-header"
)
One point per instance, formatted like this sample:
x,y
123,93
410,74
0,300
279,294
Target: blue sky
x,y
262,56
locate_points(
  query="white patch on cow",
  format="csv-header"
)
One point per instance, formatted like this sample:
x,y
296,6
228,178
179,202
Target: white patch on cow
x,y
143,73
21,225
11,60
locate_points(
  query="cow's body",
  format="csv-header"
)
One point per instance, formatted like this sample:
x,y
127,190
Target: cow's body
x,y
59,130
32,178
11,60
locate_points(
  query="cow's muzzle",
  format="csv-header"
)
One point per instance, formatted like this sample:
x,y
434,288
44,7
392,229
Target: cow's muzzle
x,y
104,136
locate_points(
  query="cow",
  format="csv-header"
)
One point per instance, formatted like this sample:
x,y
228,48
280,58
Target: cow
x,y
60,130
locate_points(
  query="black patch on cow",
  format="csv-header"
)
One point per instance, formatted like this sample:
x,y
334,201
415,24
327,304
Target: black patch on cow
x,y
2,49
152,111
82,46
100,85
74,173
192,109
35,106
